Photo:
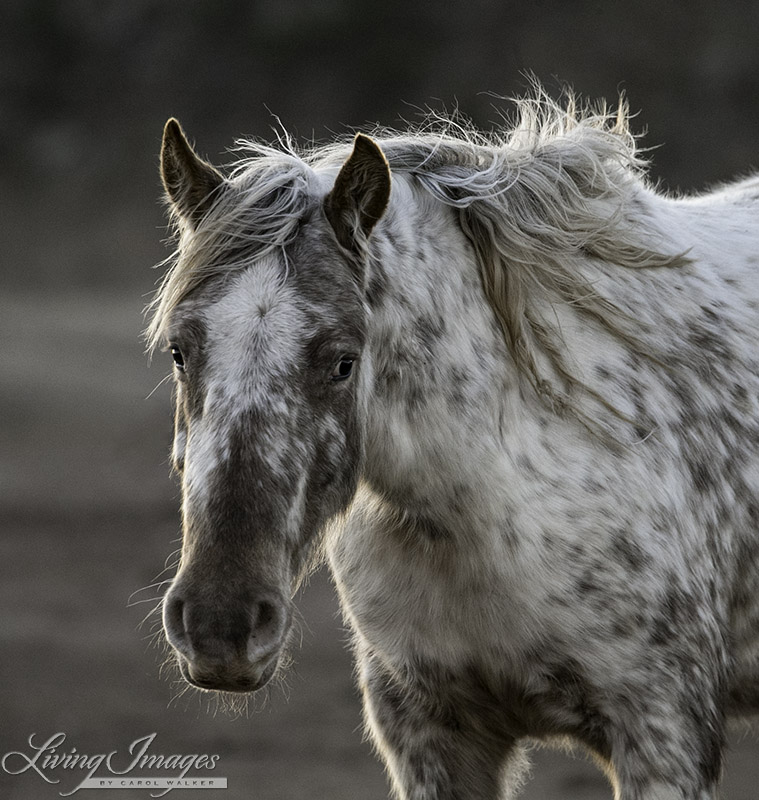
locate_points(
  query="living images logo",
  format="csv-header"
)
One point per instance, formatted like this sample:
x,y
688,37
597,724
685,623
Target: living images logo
x,y
140,767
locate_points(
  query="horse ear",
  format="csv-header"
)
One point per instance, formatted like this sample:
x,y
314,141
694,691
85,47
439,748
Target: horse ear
x,y
189,181
360,194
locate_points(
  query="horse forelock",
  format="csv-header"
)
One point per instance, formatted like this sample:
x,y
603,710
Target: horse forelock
x,y
258,212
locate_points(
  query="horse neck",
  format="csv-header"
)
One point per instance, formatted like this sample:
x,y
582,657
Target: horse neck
x,y
440,369
447,395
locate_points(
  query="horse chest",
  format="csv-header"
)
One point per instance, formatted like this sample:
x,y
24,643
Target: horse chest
x,y
407,597
469,649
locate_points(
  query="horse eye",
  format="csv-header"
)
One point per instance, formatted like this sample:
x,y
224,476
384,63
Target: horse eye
x,y
176,354
343,369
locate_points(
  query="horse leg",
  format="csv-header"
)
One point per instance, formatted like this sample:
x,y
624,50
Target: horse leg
x,y
668,745
431,752
631,785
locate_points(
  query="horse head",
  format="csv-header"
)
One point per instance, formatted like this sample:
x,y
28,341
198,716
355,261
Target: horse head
x,y
268,345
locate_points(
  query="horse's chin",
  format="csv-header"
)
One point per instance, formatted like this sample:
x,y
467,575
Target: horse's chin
x,y
237,682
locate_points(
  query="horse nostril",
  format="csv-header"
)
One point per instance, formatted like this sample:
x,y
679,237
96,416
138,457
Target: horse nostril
x,y
264,616
266,629
174,612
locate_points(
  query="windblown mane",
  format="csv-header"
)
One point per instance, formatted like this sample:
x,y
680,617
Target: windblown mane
x,y
533,198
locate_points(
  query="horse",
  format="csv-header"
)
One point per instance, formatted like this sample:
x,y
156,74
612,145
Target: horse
x,y
509,390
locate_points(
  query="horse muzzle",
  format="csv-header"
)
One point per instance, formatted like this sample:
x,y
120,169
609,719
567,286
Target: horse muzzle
x,y
232,646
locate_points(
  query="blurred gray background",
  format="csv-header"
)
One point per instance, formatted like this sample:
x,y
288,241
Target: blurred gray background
x,y
88,512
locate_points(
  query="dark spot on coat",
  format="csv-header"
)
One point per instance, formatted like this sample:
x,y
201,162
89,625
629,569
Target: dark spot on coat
x,y
629,552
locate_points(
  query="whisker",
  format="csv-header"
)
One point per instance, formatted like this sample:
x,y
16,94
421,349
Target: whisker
x,y
131,602
156,610
158,385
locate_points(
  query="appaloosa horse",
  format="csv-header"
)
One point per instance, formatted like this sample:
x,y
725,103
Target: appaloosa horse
x,y
515,392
